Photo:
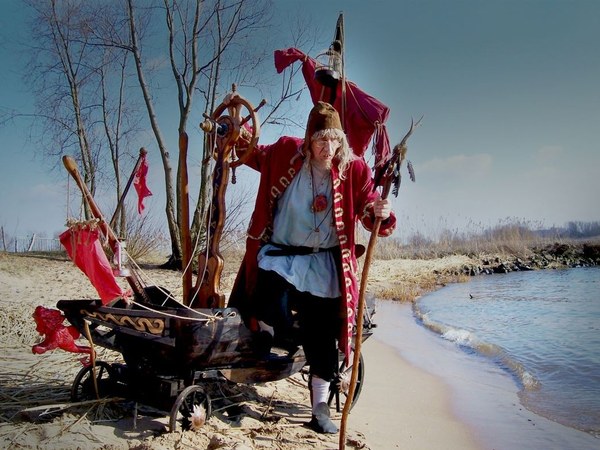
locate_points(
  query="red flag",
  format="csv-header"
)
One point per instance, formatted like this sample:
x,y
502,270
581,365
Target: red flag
x,y
364,117
84,249
139,183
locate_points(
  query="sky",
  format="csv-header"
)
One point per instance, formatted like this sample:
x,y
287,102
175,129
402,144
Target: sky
x,y
509,91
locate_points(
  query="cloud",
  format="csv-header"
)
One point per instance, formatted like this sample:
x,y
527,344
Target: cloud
x,y
549,153
479,164
43,191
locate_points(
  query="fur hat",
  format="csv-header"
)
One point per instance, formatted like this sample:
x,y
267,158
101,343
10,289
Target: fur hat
x,y
323,116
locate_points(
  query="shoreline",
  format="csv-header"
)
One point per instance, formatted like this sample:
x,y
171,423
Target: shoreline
x,y
483,397
403,406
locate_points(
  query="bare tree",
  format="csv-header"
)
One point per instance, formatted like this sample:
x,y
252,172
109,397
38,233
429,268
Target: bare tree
x,y
119,122
69,75
210,45
222,27
61,79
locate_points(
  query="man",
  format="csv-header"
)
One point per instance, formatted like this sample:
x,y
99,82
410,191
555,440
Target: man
x,y
300,247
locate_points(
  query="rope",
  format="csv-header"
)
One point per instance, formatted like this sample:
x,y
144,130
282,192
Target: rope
x,y
208,220
206,317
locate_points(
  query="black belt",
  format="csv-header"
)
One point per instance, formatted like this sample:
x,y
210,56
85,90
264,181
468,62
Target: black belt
x,y
289,250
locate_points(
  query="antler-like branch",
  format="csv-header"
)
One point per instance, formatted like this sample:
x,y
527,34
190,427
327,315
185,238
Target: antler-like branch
x,y
391,172
401,147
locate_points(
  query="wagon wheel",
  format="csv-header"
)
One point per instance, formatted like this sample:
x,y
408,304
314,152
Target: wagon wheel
x,y
339,387
192,397
84,388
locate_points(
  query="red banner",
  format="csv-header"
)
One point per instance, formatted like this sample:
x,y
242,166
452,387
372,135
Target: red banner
x,y
140,183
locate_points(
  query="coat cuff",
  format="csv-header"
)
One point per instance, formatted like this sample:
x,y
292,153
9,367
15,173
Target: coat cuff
x,y
387,226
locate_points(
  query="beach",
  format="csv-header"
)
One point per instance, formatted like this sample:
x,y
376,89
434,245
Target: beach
x,y
401,406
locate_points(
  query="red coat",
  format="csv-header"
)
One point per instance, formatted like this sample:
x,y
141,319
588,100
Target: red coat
x,y
353,199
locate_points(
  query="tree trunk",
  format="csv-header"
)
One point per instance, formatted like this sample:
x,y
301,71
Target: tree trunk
x,y
168,170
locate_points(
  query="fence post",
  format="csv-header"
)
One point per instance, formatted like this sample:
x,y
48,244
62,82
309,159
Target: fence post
x,y
32,242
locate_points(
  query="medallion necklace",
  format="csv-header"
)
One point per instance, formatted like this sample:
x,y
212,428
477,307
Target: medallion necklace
x,y
320,199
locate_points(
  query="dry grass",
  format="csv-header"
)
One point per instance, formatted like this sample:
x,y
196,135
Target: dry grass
x,y
407,279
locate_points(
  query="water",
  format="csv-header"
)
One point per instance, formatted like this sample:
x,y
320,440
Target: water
x,y
541,327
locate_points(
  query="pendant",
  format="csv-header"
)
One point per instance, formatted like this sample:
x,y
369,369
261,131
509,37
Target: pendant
x,y
319,203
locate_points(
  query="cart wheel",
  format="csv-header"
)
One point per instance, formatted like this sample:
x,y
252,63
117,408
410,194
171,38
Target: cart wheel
x,y
339,387
84,388
191,398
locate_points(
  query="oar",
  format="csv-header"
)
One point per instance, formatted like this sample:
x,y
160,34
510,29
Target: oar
x,y
391,174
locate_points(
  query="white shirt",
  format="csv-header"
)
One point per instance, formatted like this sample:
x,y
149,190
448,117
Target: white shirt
x,y
295,224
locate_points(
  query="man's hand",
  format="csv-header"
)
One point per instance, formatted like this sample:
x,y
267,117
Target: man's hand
x,y
382,208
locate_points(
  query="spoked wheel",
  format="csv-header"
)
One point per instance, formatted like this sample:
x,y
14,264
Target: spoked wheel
x,y
340,386
84,387
191,409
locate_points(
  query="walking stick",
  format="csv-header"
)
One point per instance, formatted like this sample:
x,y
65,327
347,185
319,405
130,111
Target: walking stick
x,y
391,175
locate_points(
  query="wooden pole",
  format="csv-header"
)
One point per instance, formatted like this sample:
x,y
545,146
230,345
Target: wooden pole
x,y
184,220
124,194
391,175
134,282
359,322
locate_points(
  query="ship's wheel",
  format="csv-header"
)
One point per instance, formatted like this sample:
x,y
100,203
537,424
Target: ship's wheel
x,y
234,129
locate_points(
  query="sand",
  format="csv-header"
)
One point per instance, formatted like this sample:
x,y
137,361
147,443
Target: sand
x,y
400,406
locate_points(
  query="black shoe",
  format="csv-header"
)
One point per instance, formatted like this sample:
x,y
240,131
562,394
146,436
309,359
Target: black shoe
x,y
320,422
262,343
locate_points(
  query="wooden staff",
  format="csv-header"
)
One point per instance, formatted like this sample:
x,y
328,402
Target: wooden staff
x,y
391,175
359,323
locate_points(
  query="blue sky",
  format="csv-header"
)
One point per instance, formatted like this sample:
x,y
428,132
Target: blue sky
x,y
510,91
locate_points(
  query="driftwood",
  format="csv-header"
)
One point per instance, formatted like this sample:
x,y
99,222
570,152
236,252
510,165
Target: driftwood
x,y
44,413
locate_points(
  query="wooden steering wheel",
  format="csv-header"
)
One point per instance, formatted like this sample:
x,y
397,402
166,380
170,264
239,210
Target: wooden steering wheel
x,y
232,139
236,136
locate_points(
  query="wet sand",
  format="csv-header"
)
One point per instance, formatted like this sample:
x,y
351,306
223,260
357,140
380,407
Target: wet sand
x,y
480,395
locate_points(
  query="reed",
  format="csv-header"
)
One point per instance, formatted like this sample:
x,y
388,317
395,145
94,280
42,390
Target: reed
x,y
510,236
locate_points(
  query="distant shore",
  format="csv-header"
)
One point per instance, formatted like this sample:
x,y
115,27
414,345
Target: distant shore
x,y
406,279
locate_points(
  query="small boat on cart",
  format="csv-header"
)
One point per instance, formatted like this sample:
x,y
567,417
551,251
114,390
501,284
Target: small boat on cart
x,y
172,349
